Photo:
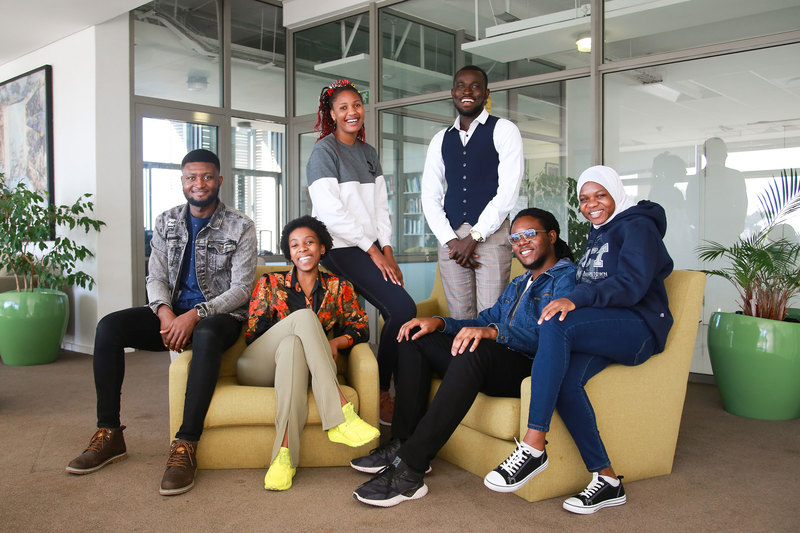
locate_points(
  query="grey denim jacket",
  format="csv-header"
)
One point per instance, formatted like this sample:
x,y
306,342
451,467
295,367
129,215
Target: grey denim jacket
x,y
225,260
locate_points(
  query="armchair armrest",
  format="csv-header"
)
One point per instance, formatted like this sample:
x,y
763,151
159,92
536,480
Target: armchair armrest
x,y
362,375
431,307
178,375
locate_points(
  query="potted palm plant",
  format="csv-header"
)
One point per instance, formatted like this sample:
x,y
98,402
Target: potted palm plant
x,y
33,317
755,354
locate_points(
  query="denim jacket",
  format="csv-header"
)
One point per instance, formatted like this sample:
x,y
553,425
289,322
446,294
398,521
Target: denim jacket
x,y
225,260
516,312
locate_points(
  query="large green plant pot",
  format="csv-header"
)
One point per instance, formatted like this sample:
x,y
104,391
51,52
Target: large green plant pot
x,y
32,325
756,364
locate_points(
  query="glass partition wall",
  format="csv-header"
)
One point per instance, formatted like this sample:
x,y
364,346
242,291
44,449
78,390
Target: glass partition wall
x,y
693,101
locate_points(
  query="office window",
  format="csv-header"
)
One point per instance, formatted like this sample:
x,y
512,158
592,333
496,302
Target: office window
x,y
636,28
258,154
177,51
258,58
328,52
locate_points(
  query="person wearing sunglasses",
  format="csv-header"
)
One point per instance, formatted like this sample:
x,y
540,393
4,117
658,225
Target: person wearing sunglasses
x,y
491,353
617,313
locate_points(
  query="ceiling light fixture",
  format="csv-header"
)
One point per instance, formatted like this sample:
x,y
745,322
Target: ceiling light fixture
x,y
584,44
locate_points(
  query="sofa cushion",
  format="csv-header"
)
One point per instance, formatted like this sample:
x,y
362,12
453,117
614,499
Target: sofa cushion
x,y
497,417
239,405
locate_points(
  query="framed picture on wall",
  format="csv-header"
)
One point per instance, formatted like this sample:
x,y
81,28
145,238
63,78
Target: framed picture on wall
x,y
26,130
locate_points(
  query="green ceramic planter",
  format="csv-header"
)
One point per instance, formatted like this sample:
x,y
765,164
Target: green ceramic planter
x,y
32,325
756,364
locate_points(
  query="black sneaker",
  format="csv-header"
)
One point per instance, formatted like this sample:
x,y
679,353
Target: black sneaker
x,y
514,472
394,484
378,459
600,493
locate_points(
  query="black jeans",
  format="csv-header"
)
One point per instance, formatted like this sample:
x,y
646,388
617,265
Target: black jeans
x,y
138,328
394,303
492,368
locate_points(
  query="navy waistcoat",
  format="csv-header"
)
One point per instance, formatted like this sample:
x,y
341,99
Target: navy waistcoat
x,y
470,172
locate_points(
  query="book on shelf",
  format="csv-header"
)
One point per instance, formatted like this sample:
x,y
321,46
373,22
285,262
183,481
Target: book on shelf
x,y
413,206
412,184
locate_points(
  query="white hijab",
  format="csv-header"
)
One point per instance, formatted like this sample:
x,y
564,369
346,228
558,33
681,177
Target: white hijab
x,y
608,178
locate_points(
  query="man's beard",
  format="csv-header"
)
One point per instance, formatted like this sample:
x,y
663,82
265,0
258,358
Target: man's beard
x,y
537,264
474,113
212,199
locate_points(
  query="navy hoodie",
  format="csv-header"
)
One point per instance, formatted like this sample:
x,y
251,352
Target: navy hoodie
x,y
625,265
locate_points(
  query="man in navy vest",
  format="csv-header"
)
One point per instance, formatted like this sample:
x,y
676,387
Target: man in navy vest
x,y
470,184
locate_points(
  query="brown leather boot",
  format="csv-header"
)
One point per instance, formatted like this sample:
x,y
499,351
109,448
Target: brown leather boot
x,y
107,446
181,466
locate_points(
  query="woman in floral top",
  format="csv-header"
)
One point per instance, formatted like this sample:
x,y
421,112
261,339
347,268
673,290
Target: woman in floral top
x,y
290,317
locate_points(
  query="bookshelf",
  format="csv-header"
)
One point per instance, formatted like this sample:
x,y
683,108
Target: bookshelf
x,y
416,237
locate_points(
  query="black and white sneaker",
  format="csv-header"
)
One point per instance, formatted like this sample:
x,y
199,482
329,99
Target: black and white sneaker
x,y
600,493
378,459
518,469
394,484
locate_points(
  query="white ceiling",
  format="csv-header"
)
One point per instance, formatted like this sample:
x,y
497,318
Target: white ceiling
x,y
28,25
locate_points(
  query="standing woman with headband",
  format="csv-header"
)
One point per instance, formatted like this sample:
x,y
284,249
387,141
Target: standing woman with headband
x,y
348,193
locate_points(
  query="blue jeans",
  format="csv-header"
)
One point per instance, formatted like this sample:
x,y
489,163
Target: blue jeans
x,y
570,353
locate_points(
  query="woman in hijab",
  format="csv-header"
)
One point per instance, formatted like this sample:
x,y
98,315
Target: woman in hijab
x,y
617,313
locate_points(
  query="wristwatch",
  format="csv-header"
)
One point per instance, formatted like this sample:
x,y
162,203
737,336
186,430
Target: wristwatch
x,y
202,312
476,235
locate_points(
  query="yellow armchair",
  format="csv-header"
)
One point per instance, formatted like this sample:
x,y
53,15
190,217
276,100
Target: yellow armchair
x,y
638,408
239,429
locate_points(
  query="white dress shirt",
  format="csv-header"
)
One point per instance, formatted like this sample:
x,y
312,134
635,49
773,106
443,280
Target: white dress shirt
x,y
508,143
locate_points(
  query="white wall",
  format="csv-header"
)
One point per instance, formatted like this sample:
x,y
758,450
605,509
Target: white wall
x,y
91,142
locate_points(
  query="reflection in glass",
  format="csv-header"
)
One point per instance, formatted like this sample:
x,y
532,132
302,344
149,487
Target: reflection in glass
x,y
644,27
417,59
683,127
258,57
177,51
258,154
328,52
509,39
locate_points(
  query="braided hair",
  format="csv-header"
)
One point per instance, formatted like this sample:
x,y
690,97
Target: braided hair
x,y
325,124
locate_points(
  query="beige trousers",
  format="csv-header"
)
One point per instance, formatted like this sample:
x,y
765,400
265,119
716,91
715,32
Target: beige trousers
x,y
468,291
282,358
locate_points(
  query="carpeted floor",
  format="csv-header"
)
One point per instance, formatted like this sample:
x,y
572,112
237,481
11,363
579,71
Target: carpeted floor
x,y
730,474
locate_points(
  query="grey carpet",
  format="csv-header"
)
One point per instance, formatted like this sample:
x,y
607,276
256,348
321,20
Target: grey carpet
x,y
730,474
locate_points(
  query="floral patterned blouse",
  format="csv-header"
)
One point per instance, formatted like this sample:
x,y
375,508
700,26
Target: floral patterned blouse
x,y
337,308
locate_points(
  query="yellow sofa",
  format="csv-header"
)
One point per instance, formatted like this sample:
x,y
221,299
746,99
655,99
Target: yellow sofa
x,y
638,408
239,429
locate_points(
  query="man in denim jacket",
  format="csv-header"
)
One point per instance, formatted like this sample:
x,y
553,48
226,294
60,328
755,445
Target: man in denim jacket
x,y
201,270
492,353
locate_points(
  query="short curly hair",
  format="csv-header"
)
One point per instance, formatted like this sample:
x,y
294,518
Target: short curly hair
x,y
306,221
